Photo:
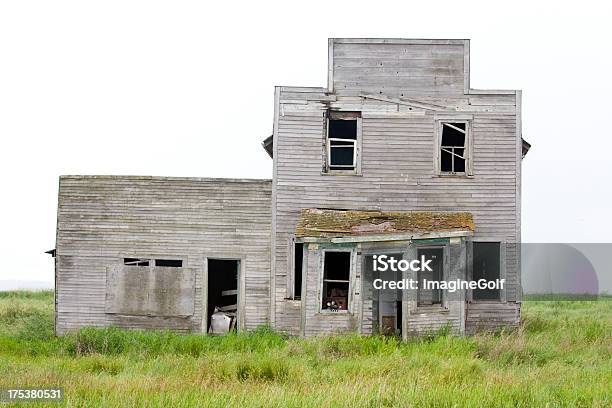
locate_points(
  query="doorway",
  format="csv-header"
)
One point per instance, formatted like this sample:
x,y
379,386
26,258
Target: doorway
x,y
222,290
382,308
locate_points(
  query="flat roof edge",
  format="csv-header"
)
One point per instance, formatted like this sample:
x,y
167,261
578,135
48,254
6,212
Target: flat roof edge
x,y
161,178
441,41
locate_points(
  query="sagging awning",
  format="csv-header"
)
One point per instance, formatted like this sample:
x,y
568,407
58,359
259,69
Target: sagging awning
x,y
380,225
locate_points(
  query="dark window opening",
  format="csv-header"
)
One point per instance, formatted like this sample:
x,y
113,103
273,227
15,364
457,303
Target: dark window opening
x,y
135,262
453,147
223,291
486,265
336,274
298,258
342,139
343,128
430,295
174,263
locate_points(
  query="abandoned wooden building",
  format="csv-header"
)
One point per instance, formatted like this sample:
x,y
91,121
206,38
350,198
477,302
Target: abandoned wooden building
x,y
397,155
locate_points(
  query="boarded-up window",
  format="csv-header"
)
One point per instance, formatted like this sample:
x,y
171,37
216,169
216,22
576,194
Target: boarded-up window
x,y
336,278
149,291
486,265
172,263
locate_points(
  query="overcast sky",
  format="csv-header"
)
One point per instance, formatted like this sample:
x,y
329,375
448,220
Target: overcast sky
x,y
183,88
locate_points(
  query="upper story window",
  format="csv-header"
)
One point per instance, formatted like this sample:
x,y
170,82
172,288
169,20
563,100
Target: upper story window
x,y
454,147
343,142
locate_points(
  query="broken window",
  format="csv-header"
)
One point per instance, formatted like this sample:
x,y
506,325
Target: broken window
x,y
336,274
453,147
174,263
136,261
486,265
342,138
298,257
432,294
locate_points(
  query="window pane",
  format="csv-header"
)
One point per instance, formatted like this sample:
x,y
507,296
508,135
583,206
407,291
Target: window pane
x,y
452,137
341,155
486,261
337,265
335,296
175,263
459,162
446,161
342,129
135,262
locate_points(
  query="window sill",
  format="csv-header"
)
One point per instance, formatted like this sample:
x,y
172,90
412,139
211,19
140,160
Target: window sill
x,y
330,313
429,309
448,175
340,173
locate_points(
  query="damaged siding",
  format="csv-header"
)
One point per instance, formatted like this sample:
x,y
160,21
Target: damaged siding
x,y
103,219
397,164
399,67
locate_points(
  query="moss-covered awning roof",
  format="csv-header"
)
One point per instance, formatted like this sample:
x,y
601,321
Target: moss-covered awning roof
x,y
315,222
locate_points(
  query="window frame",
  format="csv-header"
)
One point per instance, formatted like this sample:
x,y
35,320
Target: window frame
x,y
291,295
502,270
352,266
151,259
327,143
443,306
468,145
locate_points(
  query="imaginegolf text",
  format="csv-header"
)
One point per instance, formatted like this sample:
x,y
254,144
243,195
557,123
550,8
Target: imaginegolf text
x,y
382,263
451,286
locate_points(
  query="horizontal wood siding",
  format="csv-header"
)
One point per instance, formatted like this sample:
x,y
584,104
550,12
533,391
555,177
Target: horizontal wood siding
x,y
103,219
398,68
398,172
491,316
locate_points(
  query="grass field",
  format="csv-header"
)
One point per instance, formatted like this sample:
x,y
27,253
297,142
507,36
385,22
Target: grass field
x,y
561,356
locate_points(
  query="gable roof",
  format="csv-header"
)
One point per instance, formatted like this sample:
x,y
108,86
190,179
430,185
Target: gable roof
x,y
317,222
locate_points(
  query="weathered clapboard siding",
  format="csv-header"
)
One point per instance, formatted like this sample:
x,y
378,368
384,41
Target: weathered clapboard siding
x,y
102,219
397,167
491,316
398,67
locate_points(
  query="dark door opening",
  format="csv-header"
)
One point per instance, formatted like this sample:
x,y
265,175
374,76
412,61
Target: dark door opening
x,y
222,289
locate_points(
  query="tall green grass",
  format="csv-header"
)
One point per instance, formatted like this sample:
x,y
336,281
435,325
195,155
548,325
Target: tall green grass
x,y
560,356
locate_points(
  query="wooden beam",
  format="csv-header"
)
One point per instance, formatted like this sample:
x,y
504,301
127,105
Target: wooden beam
x,y
405,102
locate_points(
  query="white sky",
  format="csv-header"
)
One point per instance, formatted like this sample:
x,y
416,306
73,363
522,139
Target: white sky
x,y
170,88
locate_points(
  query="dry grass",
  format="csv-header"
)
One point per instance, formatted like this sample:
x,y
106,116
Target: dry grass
x,y
561,356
